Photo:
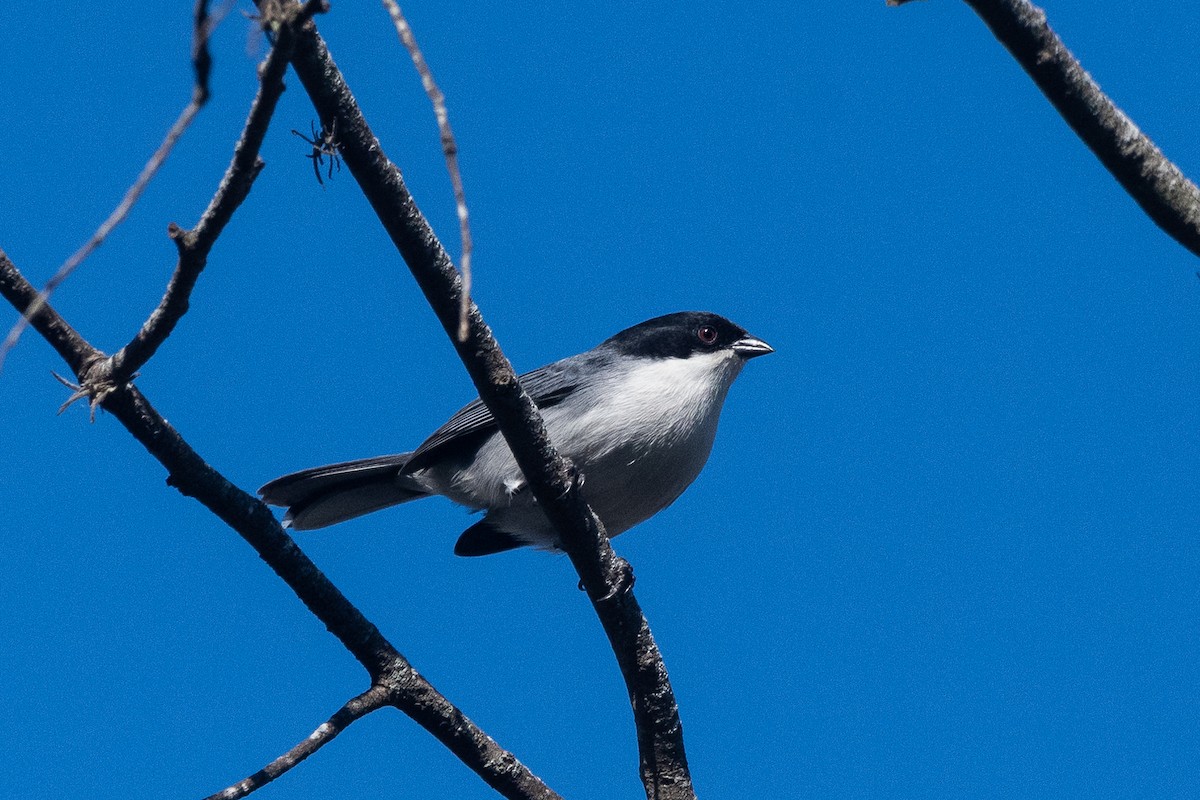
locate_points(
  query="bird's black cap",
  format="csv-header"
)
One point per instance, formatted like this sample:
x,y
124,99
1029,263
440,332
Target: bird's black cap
x,y
685,333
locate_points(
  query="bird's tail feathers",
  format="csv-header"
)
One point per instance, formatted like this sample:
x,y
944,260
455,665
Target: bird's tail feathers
x,y
334,493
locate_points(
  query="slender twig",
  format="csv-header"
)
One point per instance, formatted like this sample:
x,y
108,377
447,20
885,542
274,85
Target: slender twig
x,y
449,149
202,64
1166,195
195,245
406,689
370,700
605,576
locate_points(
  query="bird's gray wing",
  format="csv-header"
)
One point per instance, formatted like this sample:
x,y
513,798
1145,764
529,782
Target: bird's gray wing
x,y
464,431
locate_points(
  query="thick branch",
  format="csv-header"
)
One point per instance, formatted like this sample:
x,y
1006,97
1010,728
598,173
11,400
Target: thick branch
x,y
604,575
188,473
1159,187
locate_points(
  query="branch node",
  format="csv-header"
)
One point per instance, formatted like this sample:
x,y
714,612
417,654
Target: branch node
x,y
202,63
96,383
183,238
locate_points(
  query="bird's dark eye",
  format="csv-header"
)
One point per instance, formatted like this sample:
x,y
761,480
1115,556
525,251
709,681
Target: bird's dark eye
x,y
707,334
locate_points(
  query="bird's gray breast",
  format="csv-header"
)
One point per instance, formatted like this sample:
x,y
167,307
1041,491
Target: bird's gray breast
x,y
639,435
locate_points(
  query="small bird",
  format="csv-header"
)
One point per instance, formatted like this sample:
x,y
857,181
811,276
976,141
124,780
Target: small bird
x,y
636,415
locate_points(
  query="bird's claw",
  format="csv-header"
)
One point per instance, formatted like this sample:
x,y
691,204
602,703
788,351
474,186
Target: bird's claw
x,y
574,478
623,583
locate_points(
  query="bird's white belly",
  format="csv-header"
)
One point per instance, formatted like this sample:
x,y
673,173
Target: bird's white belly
x,y
638,444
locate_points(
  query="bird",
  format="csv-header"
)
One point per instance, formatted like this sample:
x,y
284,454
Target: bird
x,y
636,416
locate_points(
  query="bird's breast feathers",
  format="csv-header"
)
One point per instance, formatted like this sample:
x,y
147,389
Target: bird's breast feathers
x,y
652,403
651,423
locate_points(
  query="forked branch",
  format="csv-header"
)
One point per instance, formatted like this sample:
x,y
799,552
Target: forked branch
x,y
394,681
195,245
203,25
405,688
606,577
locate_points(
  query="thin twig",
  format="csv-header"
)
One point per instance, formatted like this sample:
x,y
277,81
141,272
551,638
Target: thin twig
x,y
202,63
449,149
358,707
665,774
195,245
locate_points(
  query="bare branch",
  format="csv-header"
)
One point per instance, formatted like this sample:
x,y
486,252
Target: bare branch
x,y
188,472
202,63
449,149
72,347
370,700
1157,185
195,245
605,576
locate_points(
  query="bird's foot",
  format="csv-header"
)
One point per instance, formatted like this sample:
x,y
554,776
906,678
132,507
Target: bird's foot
x,y
623,580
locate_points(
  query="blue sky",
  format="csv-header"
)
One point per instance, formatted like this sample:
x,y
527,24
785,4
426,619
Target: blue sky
x,y
945,546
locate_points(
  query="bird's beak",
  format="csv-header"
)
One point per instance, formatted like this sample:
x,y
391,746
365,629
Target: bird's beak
x,y
751,346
